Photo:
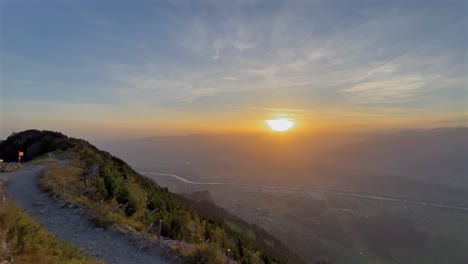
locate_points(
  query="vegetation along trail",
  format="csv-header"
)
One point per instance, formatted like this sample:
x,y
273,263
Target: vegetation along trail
x,y
69,224
357,195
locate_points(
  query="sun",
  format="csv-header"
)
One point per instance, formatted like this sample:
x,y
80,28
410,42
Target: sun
x,y
280,124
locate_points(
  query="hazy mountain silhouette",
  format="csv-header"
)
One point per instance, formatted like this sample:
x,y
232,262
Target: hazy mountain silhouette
x,y
411,163
439,155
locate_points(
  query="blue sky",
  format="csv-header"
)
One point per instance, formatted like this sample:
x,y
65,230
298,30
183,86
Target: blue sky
x,y
146,67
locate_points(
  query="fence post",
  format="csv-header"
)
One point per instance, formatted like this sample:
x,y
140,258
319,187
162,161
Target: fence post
x,y
228,255
159,232
100,215
63,189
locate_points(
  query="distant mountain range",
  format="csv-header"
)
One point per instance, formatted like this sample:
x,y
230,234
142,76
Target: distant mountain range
x,y
423,164
438,156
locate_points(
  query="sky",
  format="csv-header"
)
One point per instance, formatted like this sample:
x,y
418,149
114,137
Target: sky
x,y
141,68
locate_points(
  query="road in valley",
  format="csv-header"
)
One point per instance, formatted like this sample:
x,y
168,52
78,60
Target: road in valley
x,y
298,189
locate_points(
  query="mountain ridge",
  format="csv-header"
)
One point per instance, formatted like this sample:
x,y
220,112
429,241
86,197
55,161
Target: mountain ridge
x,y
118,182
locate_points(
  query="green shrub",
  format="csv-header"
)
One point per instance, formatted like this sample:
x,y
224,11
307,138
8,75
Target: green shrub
x,y
122,194
132,206
109,180
100,186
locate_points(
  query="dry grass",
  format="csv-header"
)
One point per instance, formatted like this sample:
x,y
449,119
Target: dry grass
x,y
44,159
63,181
202,254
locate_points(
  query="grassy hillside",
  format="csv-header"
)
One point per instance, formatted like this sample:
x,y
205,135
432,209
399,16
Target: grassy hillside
x,y
138,201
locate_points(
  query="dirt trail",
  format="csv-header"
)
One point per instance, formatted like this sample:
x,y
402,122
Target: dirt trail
x,y
69,225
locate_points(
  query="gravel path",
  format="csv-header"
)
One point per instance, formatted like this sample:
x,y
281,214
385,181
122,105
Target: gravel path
x,y
69,225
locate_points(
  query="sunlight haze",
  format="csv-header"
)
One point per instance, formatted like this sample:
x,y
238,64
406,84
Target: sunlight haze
x,y
234,131
159,68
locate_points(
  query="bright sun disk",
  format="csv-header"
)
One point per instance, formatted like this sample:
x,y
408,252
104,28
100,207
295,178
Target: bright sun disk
x,y
280,124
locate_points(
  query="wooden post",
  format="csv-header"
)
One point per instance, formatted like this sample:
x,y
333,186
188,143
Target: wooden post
x,y
159,232
63,190
100,215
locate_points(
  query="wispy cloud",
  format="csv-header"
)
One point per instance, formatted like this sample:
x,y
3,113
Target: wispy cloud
x,y
260,56
269,109
365,61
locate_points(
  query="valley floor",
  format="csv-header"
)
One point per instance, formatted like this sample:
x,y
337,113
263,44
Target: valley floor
x,y
343,228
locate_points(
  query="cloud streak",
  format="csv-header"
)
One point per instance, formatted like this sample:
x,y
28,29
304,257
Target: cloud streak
x,y
308,59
